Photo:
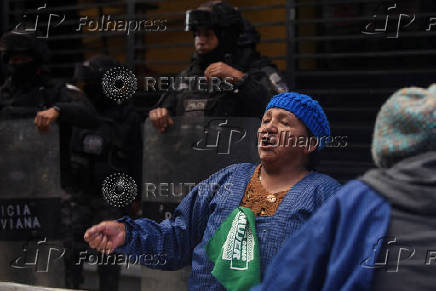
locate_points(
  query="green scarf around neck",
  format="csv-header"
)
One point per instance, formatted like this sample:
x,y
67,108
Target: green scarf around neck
x,y
234,250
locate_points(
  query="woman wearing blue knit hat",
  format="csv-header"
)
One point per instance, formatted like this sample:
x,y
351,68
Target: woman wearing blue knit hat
x,y
379,231
230,235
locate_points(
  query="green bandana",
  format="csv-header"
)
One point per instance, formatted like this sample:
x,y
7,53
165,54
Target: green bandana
x,y
235,251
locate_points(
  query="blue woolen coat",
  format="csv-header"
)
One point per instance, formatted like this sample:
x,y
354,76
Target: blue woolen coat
x,y
183,238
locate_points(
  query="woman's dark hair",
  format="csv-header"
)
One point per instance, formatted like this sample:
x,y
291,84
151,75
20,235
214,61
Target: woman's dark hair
x,y
313,161
314,157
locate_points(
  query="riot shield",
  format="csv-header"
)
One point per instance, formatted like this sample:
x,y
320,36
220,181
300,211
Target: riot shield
x,y
30,204
189,152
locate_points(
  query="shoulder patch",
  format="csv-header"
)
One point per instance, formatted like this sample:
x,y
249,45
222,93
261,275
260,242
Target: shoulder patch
x,y
279,85
72,87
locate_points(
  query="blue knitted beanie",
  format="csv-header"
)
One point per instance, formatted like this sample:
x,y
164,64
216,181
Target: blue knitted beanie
x,y
307,110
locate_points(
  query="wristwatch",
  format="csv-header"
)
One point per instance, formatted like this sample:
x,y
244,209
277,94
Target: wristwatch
x,y
241,80
57,108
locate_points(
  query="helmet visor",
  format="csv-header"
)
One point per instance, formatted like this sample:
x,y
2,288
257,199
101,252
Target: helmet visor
x,y
197,18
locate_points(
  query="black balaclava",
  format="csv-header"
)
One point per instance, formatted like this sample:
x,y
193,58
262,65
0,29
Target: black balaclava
x,y
91,73
213,56
18,42
23,73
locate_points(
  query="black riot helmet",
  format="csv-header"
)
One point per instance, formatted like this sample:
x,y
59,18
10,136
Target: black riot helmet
x,y
90,74
93,69
249,36
220,16
23,42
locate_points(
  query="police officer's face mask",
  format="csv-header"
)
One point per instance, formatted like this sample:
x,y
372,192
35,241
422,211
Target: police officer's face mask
x,y
93,90
205,40
22,72
94,93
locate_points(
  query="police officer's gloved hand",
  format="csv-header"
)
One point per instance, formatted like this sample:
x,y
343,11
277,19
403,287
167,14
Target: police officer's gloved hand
x,y
222,70
161,118
44,118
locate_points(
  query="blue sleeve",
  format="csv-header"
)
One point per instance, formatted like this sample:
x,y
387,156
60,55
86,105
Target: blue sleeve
x,y
327,252
327,188
175,238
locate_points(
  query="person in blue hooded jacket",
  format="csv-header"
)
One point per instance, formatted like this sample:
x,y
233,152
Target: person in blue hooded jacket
x,y
281,193
379,231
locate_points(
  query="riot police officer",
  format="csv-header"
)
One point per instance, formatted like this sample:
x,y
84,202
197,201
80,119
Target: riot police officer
x,y
30,92
224,48
114,146
30,88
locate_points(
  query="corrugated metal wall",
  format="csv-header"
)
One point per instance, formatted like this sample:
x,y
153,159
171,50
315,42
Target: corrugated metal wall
x,y
340,54
320,45
166,51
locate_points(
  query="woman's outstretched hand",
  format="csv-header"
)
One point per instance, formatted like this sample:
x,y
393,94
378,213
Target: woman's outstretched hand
x,y
106,236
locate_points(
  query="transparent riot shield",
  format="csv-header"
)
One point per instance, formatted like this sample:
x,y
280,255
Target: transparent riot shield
x,y
189,152
30,203
186,154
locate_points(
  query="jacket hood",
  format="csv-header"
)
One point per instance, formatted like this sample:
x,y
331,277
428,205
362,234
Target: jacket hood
x,y
409,184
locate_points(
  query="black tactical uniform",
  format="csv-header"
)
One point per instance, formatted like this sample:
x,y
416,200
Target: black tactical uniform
x,y
115,145
29,89
237,48
42,93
